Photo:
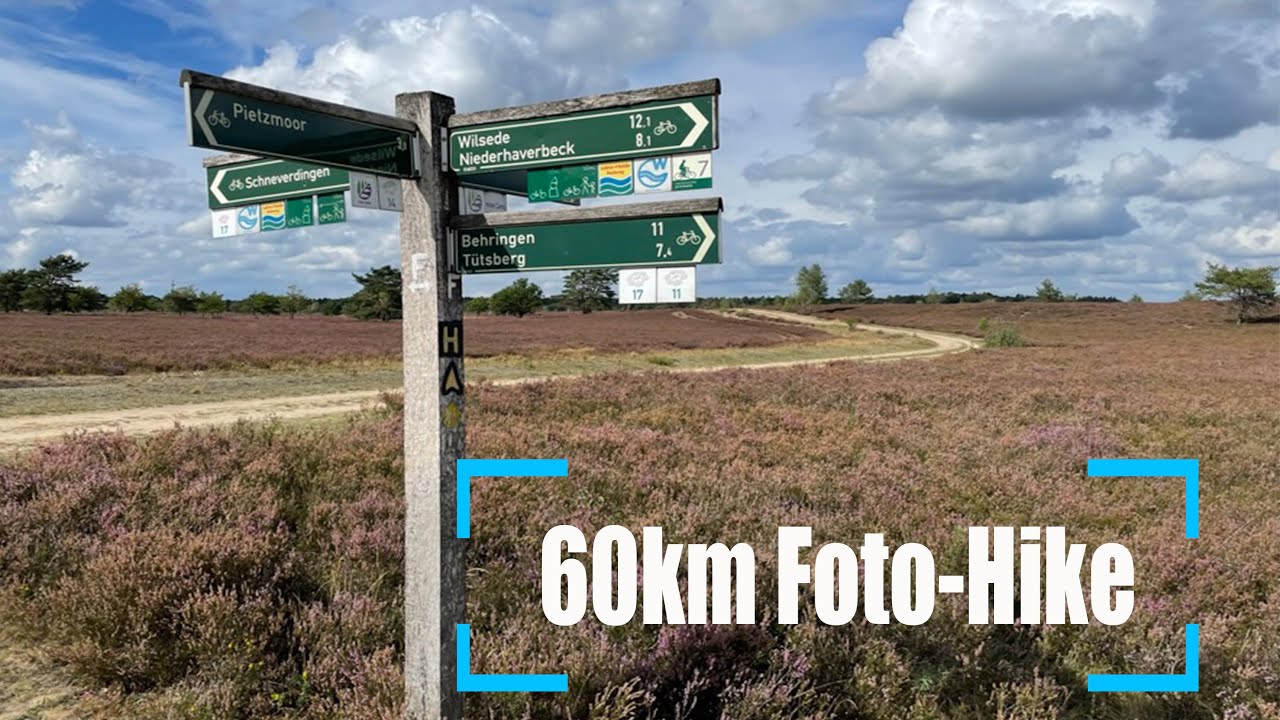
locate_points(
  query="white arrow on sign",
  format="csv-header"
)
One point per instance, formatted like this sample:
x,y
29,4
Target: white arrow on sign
x,y
215,187
700,123
201,109
708,237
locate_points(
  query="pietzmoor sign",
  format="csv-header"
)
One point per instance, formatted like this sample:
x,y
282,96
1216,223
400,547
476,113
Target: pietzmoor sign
x,y
228,115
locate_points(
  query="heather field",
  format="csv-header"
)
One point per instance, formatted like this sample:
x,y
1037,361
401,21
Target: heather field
x,y
1069,324
115,344
255,571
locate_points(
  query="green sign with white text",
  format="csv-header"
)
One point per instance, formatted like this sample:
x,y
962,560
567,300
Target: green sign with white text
x,y
221,120
258,181
683,125
648,241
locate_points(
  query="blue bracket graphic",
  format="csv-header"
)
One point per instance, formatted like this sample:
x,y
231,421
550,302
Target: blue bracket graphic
x,y
1188,681
468,469
1189,471
500,683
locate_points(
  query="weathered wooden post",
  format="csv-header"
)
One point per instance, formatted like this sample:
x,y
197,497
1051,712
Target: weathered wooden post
x,y
435,570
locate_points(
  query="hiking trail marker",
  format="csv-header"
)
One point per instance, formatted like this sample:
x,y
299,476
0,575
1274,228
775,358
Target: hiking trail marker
x,y
646,286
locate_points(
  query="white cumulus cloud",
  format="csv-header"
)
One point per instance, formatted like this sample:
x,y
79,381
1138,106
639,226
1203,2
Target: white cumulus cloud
x,y
772,252
471,55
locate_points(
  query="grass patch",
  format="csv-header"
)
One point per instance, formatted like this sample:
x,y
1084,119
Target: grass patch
x,y
852,345
21,396
61,395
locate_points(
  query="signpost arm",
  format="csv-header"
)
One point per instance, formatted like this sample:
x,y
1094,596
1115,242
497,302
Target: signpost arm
x,y
435,575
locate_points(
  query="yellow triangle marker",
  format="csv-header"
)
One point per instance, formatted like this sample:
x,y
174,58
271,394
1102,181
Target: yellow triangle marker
x,y
451,382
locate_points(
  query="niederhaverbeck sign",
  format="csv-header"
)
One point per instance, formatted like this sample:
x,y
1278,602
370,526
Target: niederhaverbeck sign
x,y
648,234
638,123
260,180
225,114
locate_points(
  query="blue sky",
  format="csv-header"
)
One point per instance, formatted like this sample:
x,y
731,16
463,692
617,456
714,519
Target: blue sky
x,y
965,144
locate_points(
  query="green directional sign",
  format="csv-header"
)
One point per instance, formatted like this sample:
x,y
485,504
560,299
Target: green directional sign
x,y
658,240
331,208
653,128
228,115
258,181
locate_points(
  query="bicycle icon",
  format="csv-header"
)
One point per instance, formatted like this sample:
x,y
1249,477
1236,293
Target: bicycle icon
x,y
217,117
664,127
688,237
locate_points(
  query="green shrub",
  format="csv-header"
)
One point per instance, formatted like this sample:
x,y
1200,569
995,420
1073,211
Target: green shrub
x,y
1004,336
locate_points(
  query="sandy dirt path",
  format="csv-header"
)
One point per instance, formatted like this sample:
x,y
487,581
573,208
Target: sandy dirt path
x,y
945,343
26,431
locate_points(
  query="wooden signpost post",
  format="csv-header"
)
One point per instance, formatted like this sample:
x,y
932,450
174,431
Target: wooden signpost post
x,y
428,146
434,433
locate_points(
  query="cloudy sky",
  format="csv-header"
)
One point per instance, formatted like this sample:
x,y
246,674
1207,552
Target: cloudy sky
x,y
1115,146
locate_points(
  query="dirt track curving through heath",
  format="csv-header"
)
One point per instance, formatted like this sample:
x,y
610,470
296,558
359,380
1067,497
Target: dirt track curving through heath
x,y
27,431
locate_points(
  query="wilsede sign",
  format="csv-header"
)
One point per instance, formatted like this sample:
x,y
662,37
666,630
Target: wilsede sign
x,y
650,234
673,118
264,180
224,114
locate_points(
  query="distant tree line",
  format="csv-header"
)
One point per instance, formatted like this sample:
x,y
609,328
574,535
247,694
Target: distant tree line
x,y
53,287
1251,292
